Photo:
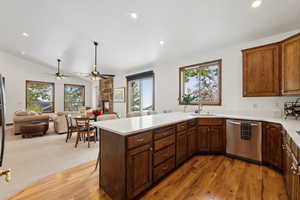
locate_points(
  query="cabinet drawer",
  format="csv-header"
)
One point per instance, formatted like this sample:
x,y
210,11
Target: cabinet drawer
x,y
163,169
182,126
139,139
163,132
159,144
164,154
211,121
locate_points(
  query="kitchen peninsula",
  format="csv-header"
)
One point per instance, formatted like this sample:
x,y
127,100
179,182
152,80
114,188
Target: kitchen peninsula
x,y
138,152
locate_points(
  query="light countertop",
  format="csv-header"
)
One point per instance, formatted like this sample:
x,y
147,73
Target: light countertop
x,y
128,126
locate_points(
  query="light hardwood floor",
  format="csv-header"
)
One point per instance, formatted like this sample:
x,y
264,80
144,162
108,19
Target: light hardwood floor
x,y
203,177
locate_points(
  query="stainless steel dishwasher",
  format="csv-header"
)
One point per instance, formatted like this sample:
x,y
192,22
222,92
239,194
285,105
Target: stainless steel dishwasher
x,y
250,150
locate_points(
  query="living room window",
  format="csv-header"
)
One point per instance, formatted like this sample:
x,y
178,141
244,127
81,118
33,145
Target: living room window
x,y
74,97
201,82
40,96
140,92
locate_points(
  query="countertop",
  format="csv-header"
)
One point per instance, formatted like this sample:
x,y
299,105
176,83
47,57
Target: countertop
x,y
128,126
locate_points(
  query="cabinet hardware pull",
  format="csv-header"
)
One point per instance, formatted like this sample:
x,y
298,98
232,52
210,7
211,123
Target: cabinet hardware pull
x,y
284,147
140,139
165,167
151,149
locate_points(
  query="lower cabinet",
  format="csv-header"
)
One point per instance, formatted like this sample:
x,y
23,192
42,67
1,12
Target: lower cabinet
x,y
139,170
192,141
291,171
203,139
216,139
272,145
135,162
181,147
211,138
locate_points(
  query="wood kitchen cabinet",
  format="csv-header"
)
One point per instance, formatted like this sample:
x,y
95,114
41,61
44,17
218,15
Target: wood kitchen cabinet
x,y
216,139
261,71
192,141
211,136
291,170
291,66
139,170
272,145
181,147
203,139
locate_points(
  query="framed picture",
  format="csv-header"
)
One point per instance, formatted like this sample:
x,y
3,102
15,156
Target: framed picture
x,y
119,95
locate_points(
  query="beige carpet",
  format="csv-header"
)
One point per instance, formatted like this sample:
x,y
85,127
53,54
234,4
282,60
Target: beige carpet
x,y
38,157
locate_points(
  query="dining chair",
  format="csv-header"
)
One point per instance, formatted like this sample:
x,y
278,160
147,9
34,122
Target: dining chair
x,y
84,130
70,127
103,118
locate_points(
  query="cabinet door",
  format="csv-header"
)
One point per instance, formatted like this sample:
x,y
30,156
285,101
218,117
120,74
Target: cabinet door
x,y
203,139
272,145
261,71
292,181
192,141
216,139
181,147
291,66
139,170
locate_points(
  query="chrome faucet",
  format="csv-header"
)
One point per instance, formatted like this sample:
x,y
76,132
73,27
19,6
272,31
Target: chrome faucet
x,y
6,173
200,106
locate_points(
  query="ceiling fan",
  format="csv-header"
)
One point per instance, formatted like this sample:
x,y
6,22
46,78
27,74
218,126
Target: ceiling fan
x,y
96,75
58,75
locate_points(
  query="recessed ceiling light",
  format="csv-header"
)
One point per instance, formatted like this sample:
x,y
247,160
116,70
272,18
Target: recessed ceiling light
x,y
256,3
133,15
161,43
22,52
25,34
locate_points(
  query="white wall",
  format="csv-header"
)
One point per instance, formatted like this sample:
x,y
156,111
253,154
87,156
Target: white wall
x,y
167,82
17,70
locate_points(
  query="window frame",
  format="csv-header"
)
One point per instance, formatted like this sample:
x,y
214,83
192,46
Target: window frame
x,y
76,85
181,69
43,82
143,77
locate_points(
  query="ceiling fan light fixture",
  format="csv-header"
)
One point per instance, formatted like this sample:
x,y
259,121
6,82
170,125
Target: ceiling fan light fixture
x,y
59,78
95,78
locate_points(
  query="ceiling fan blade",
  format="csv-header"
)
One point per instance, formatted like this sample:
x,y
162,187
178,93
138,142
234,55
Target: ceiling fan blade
x,y
108,75
101,76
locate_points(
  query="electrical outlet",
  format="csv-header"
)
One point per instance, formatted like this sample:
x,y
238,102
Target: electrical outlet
x,y
255,106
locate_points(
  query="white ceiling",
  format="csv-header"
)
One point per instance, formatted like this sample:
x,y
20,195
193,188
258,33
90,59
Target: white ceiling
x,y
65,28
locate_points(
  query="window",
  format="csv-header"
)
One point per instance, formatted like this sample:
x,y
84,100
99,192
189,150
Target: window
x,y
40,96
201,82
74,97
140,92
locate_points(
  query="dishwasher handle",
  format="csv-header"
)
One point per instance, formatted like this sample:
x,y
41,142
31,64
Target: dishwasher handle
x,y
238,123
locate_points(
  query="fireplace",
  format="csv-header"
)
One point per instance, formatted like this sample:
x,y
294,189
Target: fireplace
x,y
105,106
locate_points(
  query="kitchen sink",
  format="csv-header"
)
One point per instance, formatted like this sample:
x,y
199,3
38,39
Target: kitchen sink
x,y
203,114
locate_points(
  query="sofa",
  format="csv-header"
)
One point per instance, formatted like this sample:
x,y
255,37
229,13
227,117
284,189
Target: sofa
x,y
26,117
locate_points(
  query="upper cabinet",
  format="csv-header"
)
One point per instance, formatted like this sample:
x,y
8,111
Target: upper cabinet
x,y
291,66
261,71
272,70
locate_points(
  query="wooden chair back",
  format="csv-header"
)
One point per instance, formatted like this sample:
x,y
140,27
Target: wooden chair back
x,y
82,123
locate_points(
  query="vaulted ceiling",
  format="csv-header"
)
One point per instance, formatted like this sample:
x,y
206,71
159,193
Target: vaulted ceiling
x,y
65,29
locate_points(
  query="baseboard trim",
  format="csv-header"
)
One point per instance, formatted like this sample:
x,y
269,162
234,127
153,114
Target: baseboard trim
x,y
244,159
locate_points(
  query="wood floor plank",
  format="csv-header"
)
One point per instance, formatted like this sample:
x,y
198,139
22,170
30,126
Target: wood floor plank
x,y
203,177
